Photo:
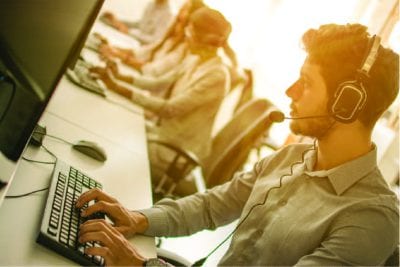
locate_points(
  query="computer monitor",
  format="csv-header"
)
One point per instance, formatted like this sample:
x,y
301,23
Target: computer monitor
x,y
39,39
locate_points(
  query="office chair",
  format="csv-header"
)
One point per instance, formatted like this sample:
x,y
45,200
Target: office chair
x,y
233,143
230,149
180,166
247,91
240,93
172,258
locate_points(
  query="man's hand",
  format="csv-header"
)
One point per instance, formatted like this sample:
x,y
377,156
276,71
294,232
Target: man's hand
x,y
125,222
115,249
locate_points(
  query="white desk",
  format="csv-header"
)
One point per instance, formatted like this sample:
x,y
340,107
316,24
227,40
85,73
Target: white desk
x,y
124,175
94,114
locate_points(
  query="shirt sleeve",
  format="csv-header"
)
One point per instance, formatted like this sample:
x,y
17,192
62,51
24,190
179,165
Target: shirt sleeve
x,y
155,83
216,207
208,87
361,237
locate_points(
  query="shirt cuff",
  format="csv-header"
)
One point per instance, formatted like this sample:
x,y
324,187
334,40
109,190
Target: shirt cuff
x,y
157,221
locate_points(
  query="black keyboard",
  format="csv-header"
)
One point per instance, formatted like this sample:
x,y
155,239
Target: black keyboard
x,y
60,222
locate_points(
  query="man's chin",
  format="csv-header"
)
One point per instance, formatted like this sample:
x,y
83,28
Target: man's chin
x,y
313,128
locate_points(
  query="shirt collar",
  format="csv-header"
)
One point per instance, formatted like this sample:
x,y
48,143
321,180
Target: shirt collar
x,y
344,176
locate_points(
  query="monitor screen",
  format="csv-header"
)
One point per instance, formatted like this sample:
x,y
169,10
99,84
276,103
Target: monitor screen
x,y
39,39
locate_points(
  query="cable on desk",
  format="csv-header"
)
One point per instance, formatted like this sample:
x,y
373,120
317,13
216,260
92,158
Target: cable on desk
x,y
54,137
38,161
43,162
48,151
27,194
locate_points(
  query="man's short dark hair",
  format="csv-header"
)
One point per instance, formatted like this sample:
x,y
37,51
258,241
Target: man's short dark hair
x,y
339,50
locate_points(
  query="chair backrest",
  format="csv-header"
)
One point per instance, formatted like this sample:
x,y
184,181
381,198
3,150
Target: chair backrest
x,y
227,108
247,91
233,143
239,94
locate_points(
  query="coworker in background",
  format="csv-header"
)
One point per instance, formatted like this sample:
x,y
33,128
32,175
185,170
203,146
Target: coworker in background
x,y
160,58
169,61
172,43
187,116
152,26
305,205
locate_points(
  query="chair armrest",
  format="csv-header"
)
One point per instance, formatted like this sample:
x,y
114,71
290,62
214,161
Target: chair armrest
x,y
187,154
172,258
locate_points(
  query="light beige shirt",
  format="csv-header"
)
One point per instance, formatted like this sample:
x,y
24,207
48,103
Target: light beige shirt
x,y
344,216
165,60
187,116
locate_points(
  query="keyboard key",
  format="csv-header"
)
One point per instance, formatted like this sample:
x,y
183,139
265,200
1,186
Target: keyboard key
x,y
52,231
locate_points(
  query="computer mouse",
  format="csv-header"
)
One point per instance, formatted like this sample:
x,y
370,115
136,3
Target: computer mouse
x,y
90,149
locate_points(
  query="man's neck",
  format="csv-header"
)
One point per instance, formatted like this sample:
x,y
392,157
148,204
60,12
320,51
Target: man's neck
x,y
341,146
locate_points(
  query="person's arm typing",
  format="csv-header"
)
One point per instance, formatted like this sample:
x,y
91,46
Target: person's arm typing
x,y
126,222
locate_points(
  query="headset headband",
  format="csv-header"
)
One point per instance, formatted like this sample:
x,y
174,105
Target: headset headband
x,y
372,55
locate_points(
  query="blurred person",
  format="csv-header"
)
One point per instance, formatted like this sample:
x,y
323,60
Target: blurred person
x,y
321,204
151,27
160,58
172,45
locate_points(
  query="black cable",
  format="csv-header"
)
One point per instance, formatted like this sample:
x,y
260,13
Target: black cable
x,y
6,78
38,161
54,137
43,162
48,151
202,260
27,194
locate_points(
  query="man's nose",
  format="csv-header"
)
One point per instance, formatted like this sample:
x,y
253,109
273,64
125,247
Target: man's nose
x,y
294,91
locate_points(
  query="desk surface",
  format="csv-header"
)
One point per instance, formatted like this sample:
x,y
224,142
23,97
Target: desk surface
x,y
94,114
124,175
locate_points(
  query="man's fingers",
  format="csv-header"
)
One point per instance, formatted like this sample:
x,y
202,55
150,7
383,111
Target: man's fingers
x,y
93,194
100,251
91,226
97,230
99,206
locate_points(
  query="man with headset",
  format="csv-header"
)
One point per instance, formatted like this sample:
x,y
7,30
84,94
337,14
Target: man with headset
x,y
320,204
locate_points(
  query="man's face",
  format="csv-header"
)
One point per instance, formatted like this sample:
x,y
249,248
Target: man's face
x,y
309,98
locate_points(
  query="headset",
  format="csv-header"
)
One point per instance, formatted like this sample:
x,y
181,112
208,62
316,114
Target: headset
x,y
351,96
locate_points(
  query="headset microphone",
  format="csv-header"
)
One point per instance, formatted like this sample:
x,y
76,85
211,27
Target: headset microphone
x,y
277,116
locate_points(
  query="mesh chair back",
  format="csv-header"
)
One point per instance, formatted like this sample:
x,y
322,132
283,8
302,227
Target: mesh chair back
x,y
233,143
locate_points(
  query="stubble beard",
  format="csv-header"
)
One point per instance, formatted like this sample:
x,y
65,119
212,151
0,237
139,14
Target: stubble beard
x,y
313,127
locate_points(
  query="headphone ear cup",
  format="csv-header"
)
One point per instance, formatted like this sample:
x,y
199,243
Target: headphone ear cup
x,y
348,101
